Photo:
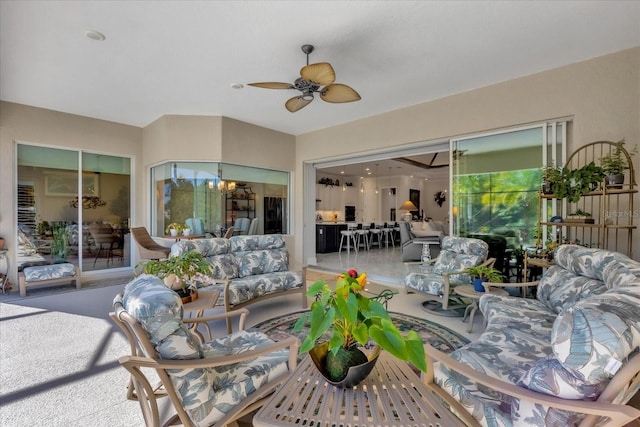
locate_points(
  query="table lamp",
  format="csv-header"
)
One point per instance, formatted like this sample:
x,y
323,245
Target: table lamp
x,y
407,206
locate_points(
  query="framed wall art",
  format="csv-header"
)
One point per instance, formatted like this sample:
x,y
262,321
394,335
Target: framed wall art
x,y
65,184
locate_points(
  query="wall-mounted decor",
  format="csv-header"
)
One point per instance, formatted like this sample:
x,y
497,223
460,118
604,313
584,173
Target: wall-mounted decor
x,y
414,196
440,197
66,184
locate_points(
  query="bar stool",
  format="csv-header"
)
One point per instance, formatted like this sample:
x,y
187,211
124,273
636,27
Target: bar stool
x,y
362,236
376,233
387,234
350,234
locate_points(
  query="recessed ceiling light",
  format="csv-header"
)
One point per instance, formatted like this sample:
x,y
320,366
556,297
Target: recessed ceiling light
x,y
95,35
237,85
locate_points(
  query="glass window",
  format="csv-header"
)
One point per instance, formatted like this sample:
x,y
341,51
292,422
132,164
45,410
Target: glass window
x,y
215,196
58,208
496,179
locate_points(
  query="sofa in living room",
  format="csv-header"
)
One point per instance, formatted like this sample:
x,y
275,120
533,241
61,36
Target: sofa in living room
x,y
567,357
247,269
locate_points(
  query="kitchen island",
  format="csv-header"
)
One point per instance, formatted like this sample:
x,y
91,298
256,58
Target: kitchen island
x,y
328,236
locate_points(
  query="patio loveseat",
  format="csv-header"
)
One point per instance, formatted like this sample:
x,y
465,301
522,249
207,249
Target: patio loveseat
x,y
247,269
549,361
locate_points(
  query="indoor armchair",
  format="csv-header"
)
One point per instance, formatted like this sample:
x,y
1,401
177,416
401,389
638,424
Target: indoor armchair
x,y
563,358
209,384
437,281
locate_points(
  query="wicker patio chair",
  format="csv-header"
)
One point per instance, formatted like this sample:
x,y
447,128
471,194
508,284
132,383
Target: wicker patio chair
x,y
147,247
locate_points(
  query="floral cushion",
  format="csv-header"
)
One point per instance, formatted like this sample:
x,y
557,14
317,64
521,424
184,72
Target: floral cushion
x,y
262,261
456,254
225,266
566,343
247,288
47,272
207,247
207,394
593,338
561,289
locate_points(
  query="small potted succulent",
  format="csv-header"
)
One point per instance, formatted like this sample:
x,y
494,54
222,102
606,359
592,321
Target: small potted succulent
x,y
180,273
615,163
354,322
483,273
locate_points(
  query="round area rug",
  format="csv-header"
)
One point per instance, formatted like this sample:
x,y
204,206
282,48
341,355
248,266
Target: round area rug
x,y
438,336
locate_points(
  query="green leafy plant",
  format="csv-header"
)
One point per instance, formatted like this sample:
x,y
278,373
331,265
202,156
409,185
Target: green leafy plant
x,y
355,320
616,163
60,242
485,273
179,272
575,183
551,175
175,226
580,213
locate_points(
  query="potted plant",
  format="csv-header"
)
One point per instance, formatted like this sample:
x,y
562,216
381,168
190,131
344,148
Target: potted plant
x,y
353,322
551,174
483,273
615,163
580,216
60,242
180,273
575,183
174,228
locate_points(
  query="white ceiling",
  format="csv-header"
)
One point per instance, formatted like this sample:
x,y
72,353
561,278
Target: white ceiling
x,y
180,57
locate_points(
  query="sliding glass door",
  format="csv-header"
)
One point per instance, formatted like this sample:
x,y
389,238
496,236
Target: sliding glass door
x,y
496,178
68,216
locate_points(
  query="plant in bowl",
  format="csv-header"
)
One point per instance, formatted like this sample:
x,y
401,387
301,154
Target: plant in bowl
x,y
174,228
615,163
483,273
180,273
353,322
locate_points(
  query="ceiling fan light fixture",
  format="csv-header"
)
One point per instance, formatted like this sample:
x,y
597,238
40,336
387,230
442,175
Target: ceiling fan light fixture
x,y
319,78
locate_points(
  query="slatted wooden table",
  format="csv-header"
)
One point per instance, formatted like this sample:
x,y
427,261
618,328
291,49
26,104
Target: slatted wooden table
x,y
392,395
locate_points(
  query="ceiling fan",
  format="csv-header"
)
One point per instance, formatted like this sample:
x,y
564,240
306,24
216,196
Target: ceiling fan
x,y
314,78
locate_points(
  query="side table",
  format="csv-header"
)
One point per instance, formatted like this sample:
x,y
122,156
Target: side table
x,y
467,291
392,395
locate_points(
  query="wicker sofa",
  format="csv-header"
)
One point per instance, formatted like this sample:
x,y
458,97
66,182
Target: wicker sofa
x,y
247,268
549,361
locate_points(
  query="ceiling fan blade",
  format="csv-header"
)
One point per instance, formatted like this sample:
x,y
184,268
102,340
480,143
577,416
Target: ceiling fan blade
x,y
338,93
272,85
297,103
321,73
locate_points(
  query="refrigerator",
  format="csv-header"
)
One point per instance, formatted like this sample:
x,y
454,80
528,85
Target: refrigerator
x,y
274,215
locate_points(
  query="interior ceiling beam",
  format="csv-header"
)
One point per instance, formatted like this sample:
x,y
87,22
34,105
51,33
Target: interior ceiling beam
x,y
420,164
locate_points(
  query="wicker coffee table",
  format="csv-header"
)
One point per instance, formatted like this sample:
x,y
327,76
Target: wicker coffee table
x,y
392,395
